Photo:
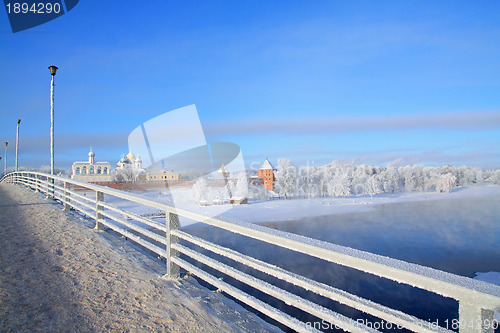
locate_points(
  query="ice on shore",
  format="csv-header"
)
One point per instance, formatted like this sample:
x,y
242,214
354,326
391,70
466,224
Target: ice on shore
x,y
493,278
275,210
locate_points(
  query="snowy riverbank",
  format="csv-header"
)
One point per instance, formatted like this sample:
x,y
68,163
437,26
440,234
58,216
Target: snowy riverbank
x,y
292,209
282,210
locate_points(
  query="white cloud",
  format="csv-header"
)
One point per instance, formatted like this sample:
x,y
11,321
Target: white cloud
x,y
465,121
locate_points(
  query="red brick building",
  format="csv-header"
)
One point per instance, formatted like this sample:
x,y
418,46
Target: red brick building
x,y
266,172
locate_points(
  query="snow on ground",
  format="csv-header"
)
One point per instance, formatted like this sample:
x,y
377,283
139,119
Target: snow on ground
x,y
282,210
490,277
296,208
58,275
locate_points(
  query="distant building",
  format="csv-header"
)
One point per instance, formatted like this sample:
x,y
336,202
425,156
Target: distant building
x,y
92,171
129,161
239,201
223,172
266,172
156,176
130,168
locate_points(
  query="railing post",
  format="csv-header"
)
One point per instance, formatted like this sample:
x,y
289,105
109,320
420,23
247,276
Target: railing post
x,y
36,184
66,196
48,180
52,188
47,186
474,319
99,197
172,223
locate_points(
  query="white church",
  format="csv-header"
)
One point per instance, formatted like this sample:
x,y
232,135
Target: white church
x,y
92,171
129,168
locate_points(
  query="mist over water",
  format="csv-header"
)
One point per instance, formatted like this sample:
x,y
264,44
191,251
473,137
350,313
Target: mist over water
x,y
460,236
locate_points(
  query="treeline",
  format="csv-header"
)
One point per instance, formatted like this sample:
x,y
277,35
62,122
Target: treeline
x,y
342,180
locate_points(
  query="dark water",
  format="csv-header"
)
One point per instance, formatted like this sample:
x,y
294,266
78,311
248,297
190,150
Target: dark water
x,y
460,236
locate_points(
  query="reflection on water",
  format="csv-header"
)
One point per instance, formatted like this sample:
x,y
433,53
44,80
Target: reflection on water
x,y
457,236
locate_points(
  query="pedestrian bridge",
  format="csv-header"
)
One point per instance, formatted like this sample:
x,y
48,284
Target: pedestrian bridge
x,y
476,299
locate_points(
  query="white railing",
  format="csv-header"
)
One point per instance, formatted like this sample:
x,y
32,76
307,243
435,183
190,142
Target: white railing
x,y
477,300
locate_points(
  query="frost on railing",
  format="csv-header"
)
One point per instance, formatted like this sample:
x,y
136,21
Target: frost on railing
x,y
477,300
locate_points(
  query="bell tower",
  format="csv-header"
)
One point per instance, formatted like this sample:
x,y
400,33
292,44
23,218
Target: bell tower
x,y
91,156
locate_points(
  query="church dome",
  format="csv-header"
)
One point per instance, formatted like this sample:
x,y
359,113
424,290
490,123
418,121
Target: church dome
x,y
123,161
138,159
91,154
130,156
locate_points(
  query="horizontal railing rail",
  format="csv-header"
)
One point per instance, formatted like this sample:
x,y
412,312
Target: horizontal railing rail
x,y
477,300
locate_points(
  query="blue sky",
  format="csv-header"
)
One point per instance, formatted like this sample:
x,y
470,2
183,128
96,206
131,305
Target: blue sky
x,y
357,81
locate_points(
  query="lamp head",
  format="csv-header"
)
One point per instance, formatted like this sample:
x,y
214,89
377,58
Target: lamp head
x,y
19,121
53,70
6,143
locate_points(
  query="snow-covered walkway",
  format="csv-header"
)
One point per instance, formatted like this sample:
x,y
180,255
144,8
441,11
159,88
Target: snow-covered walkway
x,y
58,275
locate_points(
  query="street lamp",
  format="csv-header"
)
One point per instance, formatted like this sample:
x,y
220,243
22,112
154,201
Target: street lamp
x,y
53,70
17,144
5,159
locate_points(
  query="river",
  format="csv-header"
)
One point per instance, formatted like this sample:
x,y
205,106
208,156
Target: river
x,y
460,236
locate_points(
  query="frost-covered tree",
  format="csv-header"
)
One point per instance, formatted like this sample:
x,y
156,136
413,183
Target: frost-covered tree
x,y
258,192
466,176
125,175
241,189
128,174
391,180
220,195
325,174
495,177
285,178
373,186
479,175
340,180
412,178
46,169
309,182
430,177
200,190
361,175
339,186
446,183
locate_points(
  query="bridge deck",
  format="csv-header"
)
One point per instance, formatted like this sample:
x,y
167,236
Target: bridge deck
x,y
57,274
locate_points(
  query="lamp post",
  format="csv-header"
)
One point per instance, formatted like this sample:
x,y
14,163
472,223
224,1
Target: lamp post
x,y
53,70
17,144
5,159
